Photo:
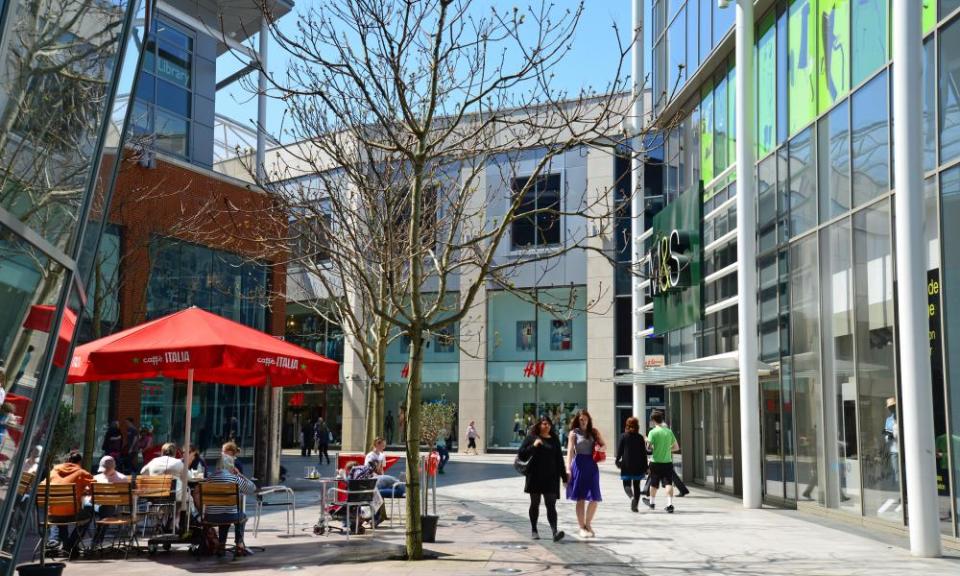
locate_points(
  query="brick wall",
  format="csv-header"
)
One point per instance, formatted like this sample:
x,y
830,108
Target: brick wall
x,y
175,201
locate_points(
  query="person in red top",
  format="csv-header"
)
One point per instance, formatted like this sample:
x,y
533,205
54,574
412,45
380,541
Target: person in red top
x,y
71,472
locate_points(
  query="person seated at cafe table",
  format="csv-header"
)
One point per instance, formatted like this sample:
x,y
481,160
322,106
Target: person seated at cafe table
x,y
354,471
195,462
71,472
167,464
231,449
107,474
226,473
376,459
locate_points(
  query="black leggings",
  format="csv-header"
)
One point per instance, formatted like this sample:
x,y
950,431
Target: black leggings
x,y
550,500
637,486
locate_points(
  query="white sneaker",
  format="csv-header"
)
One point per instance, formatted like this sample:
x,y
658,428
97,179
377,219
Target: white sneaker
x,y
583,534
590,533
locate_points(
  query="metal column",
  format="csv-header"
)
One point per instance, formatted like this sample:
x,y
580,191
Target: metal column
x,y
262,101
750,457
636,217
916,401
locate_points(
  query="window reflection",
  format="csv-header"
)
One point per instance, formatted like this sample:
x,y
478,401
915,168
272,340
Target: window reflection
x,y
870,140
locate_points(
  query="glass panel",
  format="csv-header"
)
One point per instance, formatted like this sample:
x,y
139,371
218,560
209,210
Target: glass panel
x,y
693,35
548,210
950,206
721,158
833,150
766,85
783,59
772,442
723,19
168,33
30,287
931,235
873,265
805,344
871,141
787,430
946,6
731,115
929,107
803,184
709,439
769,313
869,40
146,88
172,133
173,98
840,387
60,66
728,407
677,45
767,204
833,33
950,92
706,38
173,64
802,64
706,134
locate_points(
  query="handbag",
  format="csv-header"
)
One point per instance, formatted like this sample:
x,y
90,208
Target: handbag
x,y
521,465
598,454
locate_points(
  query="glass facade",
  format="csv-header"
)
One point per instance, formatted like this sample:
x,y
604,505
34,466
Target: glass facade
x,y
63,65
536,360
164,99
825,258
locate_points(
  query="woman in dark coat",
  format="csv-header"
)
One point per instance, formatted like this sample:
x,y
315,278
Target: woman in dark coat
x,y
632,460
544,472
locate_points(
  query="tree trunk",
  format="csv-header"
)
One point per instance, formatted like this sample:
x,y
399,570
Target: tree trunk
x,y
414,531
370,433
90,424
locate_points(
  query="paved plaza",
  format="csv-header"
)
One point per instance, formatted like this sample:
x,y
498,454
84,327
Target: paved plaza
x,y
484,530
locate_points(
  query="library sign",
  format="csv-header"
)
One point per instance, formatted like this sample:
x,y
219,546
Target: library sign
x,y
674,262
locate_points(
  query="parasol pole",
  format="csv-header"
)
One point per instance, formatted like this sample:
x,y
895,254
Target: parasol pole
x,y
185,489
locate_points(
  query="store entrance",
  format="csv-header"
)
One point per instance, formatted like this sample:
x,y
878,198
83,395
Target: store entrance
x,y
715,436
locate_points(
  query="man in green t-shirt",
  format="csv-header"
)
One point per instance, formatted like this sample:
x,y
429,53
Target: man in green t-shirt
x,y
662,445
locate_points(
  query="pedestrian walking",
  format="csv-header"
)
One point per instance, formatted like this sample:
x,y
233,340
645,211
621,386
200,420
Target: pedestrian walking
x,y
662,445
388,427
472,437
584,486
545,469
306,438
632,460
322,434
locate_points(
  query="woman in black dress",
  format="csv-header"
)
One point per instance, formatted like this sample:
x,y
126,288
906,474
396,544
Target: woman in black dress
x,y
544,472
632,460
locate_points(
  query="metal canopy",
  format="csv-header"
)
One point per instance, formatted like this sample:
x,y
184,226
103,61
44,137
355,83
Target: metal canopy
x,y
692,371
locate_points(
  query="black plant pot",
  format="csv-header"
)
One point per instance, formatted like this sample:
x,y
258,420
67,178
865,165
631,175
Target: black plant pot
x,y
428,524
47,569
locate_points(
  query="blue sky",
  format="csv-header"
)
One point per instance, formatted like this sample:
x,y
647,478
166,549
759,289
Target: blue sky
x,y
591,61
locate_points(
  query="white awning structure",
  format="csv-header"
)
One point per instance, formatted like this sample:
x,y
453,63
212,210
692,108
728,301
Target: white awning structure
x,y
692,371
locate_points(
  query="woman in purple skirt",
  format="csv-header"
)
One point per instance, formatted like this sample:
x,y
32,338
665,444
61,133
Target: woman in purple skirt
x,y
584,485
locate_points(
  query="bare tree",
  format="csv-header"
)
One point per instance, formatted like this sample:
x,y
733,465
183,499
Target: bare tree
x,y
425,131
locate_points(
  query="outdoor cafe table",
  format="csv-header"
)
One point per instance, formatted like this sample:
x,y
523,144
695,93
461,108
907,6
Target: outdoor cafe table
x,y
324,483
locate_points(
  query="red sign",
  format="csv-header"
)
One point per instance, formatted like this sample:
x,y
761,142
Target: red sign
x,y
405,371
534,369
296,399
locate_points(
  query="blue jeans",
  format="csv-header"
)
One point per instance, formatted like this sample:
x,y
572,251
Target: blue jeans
x,y
444,456
239,521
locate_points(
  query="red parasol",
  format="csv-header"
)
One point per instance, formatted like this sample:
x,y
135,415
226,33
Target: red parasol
x,y
213,348
40,318
194,344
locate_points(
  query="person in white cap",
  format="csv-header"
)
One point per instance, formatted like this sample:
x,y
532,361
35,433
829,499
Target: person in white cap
x,y
108,473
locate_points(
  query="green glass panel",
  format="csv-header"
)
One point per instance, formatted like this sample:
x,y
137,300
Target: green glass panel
x,y
721,126
929,15
834,48
731,116
802,86
706,133
870,48
766,85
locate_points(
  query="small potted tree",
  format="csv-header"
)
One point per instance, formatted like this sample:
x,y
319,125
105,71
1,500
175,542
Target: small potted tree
x,y
435,421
